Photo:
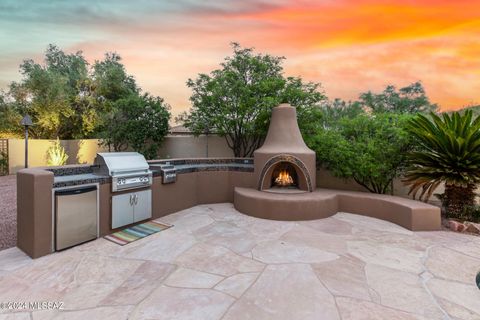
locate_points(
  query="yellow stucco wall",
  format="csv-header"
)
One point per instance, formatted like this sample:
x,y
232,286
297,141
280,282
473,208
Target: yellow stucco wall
x,y
84,151
183,146
78,151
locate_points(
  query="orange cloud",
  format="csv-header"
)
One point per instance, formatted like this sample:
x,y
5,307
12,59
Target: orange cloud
x,y
346,22
350,46
354,46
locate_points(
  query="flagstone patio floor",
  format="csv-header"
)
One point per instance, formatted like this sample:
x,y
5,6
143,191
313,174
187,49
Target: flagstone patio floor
x,y
216,263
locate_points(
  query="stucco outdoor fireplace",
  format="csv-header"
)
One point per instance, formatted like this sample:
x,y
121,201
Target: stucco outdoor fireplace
x,y
284,163
284,186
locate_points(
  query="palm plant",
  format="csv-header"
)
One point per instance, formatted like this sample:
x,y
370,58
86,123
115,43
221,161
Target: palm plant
x,y
449,153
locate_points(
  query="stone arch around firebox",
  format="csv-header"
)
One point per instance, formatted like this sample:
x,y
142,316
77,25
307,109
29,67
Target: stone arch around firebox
x,y
304,180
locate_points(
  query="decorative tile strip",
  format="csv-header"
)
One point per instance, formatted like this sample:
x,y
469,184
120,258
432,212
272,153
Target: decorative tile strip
x,y
203,161
101,180
70,170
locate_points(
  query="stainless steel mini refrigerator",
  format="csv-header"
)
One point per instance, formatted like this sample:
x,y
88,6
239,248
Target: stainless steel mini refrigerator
x,y
76,216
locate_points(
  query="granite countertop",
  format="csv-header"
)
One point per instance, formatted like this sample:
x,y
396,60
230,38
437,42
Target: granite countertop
x,y
214,165
78,175
196,167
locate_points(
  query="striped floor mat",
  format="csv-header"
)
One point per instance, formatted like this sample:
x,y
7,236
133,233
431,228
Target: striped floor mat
x,y
134,233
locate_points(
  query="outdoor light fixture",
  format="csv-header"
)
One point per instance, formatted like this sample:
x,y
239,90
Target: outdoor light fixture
x,y
26,122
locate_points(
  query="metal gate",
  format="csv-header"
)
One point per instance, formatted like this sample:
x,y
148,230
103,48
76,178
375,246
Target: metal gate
x,y
3,156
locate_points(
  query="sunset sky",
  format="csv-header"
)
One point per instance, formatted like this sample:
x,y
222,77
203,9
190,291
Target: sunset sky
x,y
348,46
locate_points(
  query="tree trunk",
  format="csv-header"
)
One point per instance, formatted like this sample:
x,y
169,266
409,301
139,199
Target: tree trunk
x,y
457,199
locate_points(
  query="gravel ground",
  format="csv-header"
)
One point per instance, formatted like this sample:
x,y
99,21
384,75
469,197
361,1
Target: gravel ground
x,y
8,211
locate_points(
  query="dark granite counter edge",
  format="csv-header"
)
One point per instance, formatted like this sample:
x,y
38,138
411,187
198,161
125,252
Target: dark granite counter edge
x,y
219,168
100,180
70,170
202,161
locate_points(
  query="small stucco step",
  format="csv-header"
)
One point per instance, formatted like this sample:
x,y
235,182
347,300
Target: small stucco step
x,y
322,203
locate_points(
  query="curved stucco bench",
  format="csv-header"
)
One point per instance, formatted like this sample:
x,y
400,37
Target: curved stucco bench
x,y
322,203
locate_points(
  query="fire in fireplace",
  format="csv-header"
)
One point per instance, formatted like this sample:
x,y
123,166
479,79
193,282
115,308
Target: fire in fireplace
x,y
284,179
284,176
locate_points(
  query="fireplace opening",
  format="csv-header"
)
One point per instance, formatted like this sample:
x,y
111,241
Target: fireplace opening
x,y
284,176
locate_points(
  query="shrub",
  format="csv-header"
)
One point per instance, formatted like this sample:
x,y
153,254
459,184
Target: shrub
x,y
3,163
56,155
139,123
471,213
370,149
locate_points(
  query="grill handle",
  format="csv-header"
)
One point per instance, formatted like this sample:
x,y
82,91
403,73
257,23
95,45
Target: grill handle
x,y
75,191
133,199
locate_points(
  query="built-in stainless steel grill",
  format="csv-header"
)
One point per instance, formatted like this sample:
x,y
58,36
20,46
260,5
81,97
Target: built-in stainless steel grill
x,y
129,170
169,173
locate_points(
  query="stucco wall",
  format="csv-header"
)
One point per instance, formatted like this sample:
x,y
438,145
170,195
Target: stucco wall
x,y
178,146
326,180
84,151
181,146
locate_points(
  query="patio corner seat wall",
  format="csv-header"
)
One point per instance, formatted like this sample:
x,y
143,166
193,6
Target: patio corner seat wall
x,y
322,203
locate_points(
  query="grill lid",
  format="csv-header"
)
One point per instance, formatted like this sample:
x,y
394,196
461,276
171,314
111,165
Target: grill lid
x,y
117,163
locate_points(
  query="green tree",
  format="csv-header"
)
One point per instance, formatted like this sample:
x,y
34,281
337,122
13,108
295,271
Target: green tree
x,y
410,99
111,83
66,97
139,122
235,101
449,153
111,80
337,109
10,118
370,149
53,89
